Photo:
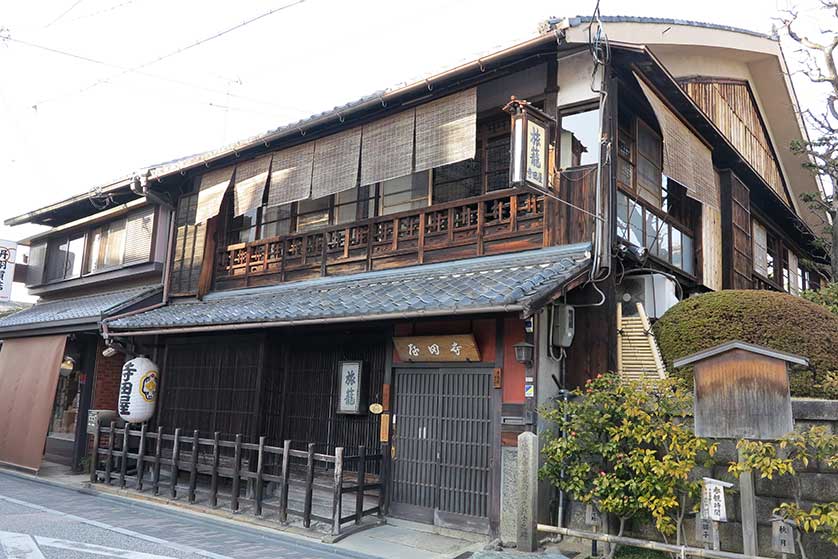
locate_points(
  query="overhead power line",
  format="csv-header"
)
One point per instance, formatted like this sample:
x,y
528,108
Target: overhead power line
x,y
64,13
4,36
193,45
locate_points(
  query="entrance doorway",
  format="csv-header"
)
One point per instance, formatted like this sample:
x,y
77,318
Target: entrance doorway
x,y
442,436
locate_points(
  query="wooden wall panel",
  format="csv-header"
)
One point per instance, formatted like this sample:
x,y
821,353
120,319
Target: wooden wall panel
x,y
711,248
737,258
578,187
732,108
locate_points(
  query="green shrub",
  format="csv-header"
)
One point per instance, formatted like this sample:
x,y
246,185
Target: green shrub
x,y
640,553
826,296
776,320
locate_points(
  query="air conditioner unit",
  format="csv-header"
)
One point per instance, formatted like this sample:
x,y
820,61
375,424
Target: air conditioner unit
x,y
656,292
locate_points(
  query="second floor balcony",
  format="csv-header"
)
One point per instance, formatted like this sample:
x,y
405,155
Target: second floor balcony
x,y
503,221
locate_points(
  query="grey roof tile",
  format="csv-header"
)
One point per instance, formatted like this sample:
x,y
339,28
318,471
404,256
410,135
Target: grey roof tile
x,y
489,282
77,309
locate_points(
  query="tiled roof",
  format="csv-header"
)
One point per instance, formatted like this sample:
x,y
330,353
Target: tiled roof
x,y
87,308
484,284
584,20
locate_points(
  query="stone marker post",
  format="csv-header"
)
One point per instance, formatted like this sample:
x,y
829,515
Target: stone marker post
x,y
527,491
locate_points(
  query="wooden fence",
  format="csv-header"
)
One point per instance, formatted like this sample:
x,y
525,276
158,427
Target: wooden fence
x,y
215,472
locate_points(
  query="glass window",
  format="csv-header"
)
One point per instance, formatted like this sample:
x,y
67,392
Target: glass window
x,y
677,249
114,244
56,259
276,221
688,254
635,223
663,243
243,227
404,193
453,182
497,163
312,214
75,255
622,216
64,258
95,254
653,224
580,138
771,248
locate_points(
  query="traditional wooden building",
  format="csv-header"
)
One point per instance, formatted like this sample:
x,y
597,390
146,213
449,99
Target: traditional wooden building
x,y
103,254
393,243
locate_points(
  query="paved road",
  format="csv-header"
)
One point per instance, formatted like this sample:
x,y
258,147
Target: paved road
x,y
43,521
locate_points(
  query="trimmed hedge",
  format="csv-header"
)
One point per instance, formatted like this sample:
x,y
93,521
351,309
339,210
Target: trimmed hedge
x,y
776,320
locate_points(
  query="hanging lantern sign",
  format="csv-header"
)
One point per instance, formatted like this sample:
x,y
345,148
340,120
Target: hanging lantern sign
x,y
529,145
138,390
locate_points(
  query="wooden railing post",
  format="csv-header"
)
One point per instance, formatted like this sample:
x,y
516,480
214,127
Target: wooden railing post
x,y
283,490
109,463
158,455
237,458
94,458
174,469
123,465
309,486
337,499
383,478
260,464
141,457
193,467
213,499
362,482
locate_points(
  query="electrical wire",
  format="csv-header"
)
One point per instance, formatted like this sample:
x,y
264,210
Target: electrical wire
x,y
193,45
64,13
4,36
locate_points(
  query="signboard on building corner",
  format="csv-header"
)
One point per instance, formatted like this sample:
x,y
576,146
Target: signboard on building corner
x,y
8,253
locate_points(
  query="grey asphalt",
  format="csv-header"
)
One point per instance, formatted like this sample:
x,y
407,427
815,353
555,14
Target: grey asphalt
x,y
40,520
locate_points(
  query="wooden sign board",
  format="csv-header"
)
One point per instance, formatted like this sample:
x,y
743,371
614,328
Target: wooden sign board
x,y
446,348
742,391
782,537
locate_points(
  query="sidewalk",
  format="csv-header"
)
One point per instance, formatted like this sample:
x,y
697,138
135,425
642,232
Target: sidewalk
x,y
395,538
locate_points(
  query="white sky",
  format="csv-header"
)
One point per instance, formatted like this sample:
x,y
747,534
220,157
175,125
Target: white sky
x,y
61,135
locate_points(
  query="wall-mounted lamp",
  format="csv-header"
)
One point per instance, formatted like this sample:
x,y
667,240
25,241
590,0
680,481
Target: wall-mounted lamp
x,y
68,365
524,352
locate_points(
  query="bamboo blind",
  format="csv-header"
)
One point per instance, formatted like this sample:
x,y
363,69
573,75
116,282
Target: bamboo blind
x,y
336,161
731,107
249,187
685,158
139,229
446,130
214,185
387,148
291,175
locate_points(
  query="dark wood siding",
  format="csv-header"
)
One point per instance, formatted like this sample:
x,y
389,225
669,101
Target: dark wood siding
x,y
737,257
578,187
275,385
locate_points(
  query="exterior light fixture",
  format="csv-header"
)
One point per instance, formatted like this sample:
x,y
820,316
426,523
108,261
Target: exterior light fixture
x,y
530,134
68,365
524,352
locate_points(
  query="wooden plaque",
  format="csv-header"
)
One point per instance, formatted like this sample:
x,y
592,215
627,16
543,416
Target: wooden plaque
x,y
447,348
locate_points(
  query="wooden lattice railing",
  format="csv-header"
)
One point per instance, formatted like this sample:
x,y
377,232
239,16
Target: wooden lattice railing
x,y
269,482
490,224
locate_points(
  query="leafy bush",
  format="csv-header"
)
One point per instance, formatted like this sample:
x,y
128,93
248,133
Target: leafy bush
x,y
826,296
628,450
776,320
787,457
